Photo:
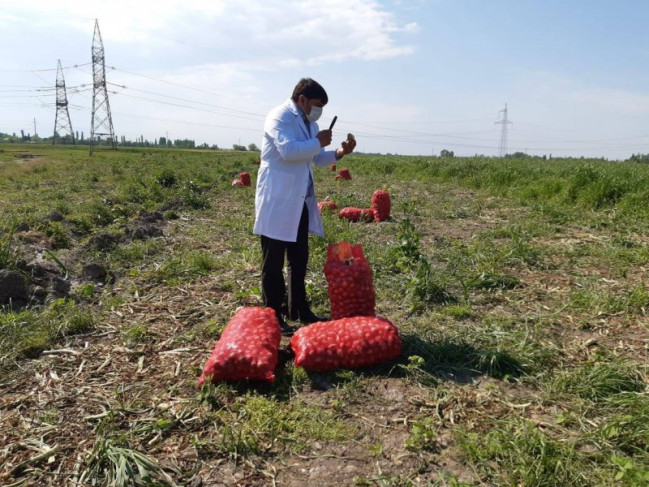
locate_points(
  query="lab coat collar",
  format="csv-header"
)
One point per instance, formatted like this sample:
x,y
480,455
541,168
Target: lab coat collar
x,y
298,113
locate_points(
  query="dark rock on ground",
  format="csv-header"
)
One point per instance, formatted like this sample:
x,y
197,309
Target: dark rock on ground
x,y
55,216
150,217
94,272
14,287
143,232
103,241
60,288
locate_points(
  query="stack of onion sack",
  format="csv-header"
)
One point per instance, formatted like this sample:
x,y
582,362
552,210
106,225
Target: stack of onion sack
x,y
247,348
355,214
245,178
358,341
349,278
327,204
381,205
343,174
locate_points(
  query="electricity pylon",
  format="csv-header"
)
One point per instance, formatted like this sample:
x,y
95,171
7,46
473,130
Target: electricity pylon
x,y
503,134
102,122
62,123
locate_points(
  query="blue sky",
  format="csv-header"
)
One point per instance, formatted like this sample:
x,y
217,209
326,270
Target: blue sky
x,y
406,77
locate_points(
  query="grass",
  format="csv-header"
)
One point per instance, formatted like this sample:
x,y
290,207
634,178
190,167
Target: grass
x,y
518,288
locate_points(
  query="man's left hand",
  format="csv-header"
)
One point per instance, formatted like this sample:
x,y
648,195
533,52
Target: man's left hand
x,y
346,147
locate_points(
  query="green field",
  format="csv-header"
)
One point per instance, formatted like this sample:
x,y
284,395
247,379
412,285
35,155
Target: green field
x,y
519,287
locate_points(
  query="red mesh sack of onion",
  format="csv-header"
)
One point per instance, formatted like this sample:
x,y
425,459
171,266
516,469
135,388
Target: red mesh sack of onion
x,y
247,349
327,204
381,205
355,214
343,174
359,341
349,280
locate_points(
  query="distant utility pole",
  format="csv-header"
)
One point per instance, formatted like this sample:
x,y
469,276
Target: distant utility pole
x,y
62,124
503,134
35,133
102,122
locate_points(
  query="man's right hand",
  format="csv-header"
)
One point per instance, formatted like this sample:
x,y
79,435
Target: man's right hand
x,y
324,136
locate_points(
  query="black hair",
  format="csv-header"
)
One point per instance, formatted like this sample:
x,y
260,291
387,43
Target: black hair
x,y
311,89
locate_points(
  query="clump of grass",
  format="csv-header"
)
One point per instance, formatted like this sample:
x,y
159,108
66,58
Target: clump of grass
x,y
116,463
58,235
488,280
136,333
515,452
257,424
598,381
423,436
447,355
626,427
21,335
191,195
27,333
166,178
9,254
424,286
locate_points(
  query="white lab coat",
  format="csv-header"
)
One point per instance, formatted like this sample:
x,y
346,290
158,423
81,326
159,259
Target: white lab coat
x,y
288,149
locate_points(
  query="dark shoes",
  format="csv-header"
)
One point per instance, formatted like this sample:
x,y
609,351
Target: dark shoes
x,y
307,317
286,328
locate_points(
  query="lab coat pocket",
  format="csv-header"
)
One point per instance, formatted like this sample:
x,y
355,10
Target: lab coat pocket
x,y
281,186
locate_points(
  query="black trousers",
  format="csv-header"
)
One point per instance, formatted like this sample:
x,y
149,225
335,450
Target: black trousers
x,y
273,289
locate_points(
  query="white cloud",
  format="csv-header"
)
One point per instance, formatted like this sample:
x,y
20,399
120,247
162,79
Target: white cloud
x,y
277,30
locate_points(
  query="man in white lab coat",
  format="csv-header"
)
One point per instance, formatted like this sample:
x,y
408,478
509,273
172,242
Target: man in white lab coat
x,y
286,209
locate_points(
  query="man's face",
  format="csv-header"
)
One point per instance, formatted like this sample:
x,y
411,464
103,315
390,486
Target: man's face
x,y
306,103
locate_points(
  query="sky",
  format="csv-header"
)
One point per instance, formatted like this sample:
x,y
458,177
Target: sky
x,y
405,77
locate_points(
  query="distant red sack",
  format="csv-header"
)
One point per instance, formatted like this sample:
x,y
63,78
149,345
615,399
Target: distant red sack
x,y
355,214
347,343
333,167
245,178
247,348
327,204
343,174
349,279
381,205
236,182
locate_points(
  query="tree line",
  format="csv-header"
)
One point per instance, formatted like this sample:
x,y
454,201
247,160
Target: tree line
x,y
68,139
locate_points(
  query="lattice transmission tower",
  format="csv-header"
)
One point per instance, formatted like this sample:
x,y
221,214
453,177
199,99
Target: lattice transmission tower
x,y
102,122
505,122
62,124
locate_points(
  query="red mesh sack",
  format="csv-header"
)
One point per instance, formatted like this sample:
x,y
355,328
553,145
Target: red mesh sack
x,y
247,348
245,178
333,167
359,341
356,214
236,182
349,279
343,174
327,204
381,205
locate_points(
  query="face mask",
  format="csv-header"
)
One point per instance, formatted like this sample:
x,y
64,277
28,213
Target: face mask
x,y
315,114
